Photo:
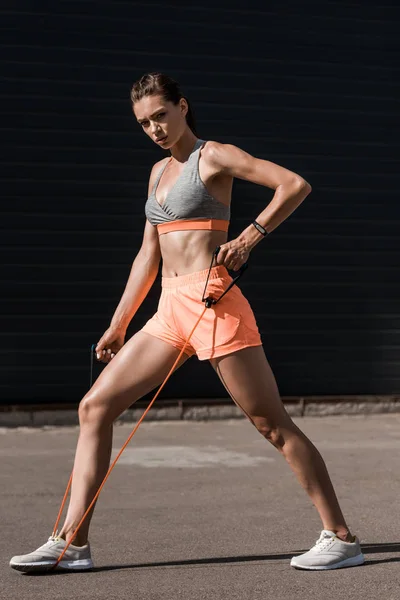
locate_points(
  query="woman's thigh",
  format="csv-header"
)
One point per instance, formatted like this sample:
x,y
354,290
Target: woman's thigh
x,y
141,365
250,382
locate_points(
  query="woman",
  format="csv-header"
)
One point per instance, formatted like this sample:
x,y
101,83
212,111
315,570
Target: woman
x,y
188,210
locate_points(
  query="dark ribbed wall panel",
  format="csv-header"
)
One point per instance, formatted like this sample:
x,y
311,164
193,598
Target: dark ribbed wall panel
x,y
313,86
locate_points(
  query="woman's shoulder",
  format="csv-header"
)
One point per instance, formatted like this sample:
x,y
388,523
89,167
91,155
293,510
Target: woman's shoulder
x,y
155,170
210,147
217,153
158,166
214,149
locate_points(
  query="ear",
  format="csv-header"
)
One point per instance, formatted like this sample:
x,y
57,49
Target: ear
x,y
183,104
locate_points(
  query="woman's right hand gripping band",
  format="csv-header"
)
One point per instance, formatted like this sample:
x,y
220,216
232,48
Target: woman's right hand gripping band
x,y
109,344
232,255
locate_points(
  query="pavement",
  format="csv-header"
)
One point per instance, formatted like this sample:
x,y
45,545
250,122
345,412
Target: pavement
x,y
200,410
205,510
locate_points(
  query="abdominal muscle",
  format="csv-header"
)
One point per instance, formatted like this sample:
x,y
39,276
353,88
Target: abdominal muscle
x,y
185,252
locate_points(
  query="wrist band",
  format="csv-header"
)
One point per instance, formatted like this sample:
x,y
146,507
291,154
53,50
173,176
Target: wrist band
x,y
260,228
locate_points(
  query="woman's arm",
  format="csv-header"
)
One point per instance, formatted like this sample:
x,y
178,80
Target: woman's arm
x,y
290,191
144,269
143,273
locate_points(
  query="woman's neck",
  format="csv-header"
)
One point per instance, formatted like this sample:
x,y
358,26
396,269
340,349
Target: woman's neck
x,y
184,146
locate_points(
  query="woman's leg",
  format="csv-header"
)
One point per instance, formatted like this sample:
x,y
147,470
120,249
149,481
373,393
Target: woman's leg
x,y
140,366
250,382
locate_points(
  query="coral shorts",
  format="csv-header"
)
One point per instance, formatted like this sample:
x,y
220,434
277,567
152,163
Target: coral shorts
x,y
226,327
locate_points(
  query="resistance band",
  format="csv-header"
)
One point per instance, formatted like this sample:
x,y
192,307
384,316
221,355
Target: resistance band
x,y
209,302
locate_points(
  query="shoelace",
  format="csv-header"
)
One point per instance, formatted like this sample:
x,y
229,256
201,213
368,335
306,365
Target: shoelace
x,y
53,539
323,542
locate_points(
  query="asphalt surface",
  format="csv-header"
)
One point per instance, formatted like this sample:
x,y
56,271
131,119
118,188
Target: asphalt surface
x,y
206,510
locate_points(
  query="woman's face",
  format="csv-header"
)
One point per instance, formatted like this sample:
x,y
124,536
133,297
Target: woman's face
x,y
163,121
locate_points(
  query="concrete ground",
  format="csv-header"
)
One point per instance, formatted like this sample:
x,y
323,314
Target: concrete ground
x,y
206,510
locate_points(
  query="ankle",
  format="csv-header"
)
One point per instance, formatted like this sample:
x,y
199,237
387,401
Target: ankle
x,y
79,539
345,535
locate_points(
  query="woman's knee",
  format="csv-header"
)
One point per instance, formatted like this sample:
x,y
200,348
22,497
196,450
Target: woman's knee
x,y
91,410
275,433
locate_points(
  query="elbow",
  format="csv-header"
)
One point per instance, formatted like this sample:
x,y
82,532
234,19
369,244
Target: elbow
x,y
308,187
302,188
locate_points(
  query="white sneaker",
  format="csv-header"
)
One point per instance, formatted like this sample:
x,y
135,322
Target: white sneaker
x,y
329,552
45,557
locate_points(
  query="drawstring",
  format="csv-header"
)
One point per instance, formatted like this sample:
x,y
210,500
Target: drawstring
x,y
208,303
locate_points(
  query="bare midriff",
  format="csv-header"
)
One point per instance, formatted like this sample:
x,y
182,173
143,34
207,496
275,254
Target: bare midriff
x,y
185,252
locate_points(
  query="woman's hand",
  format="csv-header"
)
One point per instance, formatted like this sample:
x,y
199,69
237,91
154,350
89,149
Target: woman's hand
x,y
233,254
109,344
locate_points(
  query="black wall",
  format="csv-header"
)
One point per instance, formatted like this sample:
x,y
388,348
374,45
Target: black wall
x,y
312,86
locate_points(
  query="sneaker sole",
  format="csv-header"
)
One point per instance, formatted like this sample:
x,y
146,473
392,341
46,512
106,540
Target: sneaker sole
x,y
65,565
354,561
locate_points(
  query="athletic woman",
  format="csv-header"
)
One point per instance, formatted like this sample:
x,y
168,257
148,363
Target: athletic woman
x,y
188,211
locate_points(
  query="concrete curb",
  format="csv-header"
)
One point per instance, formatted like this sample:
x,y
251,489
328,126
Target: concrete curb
x,y
181,410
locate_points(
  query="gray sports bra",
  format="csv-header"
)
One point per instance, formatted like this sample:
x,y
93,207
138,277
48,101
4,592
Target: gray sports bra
x,y
188,202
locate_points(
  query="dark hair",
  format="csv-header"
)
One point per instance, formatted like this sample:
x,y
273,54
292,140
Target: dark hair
x,y
158,83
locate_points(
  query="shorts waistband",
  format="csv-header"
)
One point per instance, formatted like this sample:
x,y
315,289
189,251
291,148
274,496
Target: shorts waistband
x,y
219,272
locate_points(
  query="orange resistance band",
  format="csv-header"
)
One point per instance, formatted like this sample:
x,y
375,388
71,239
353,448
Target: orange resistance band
x,y
119,453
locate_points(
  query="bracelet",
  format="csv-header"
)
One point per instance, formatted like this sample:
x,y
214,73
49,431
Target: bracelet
x,y
260,228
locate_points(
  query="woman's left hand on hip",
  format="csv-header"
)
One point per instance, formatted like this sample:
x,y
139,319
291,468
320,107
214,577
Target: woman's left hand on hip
x,y
233,255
